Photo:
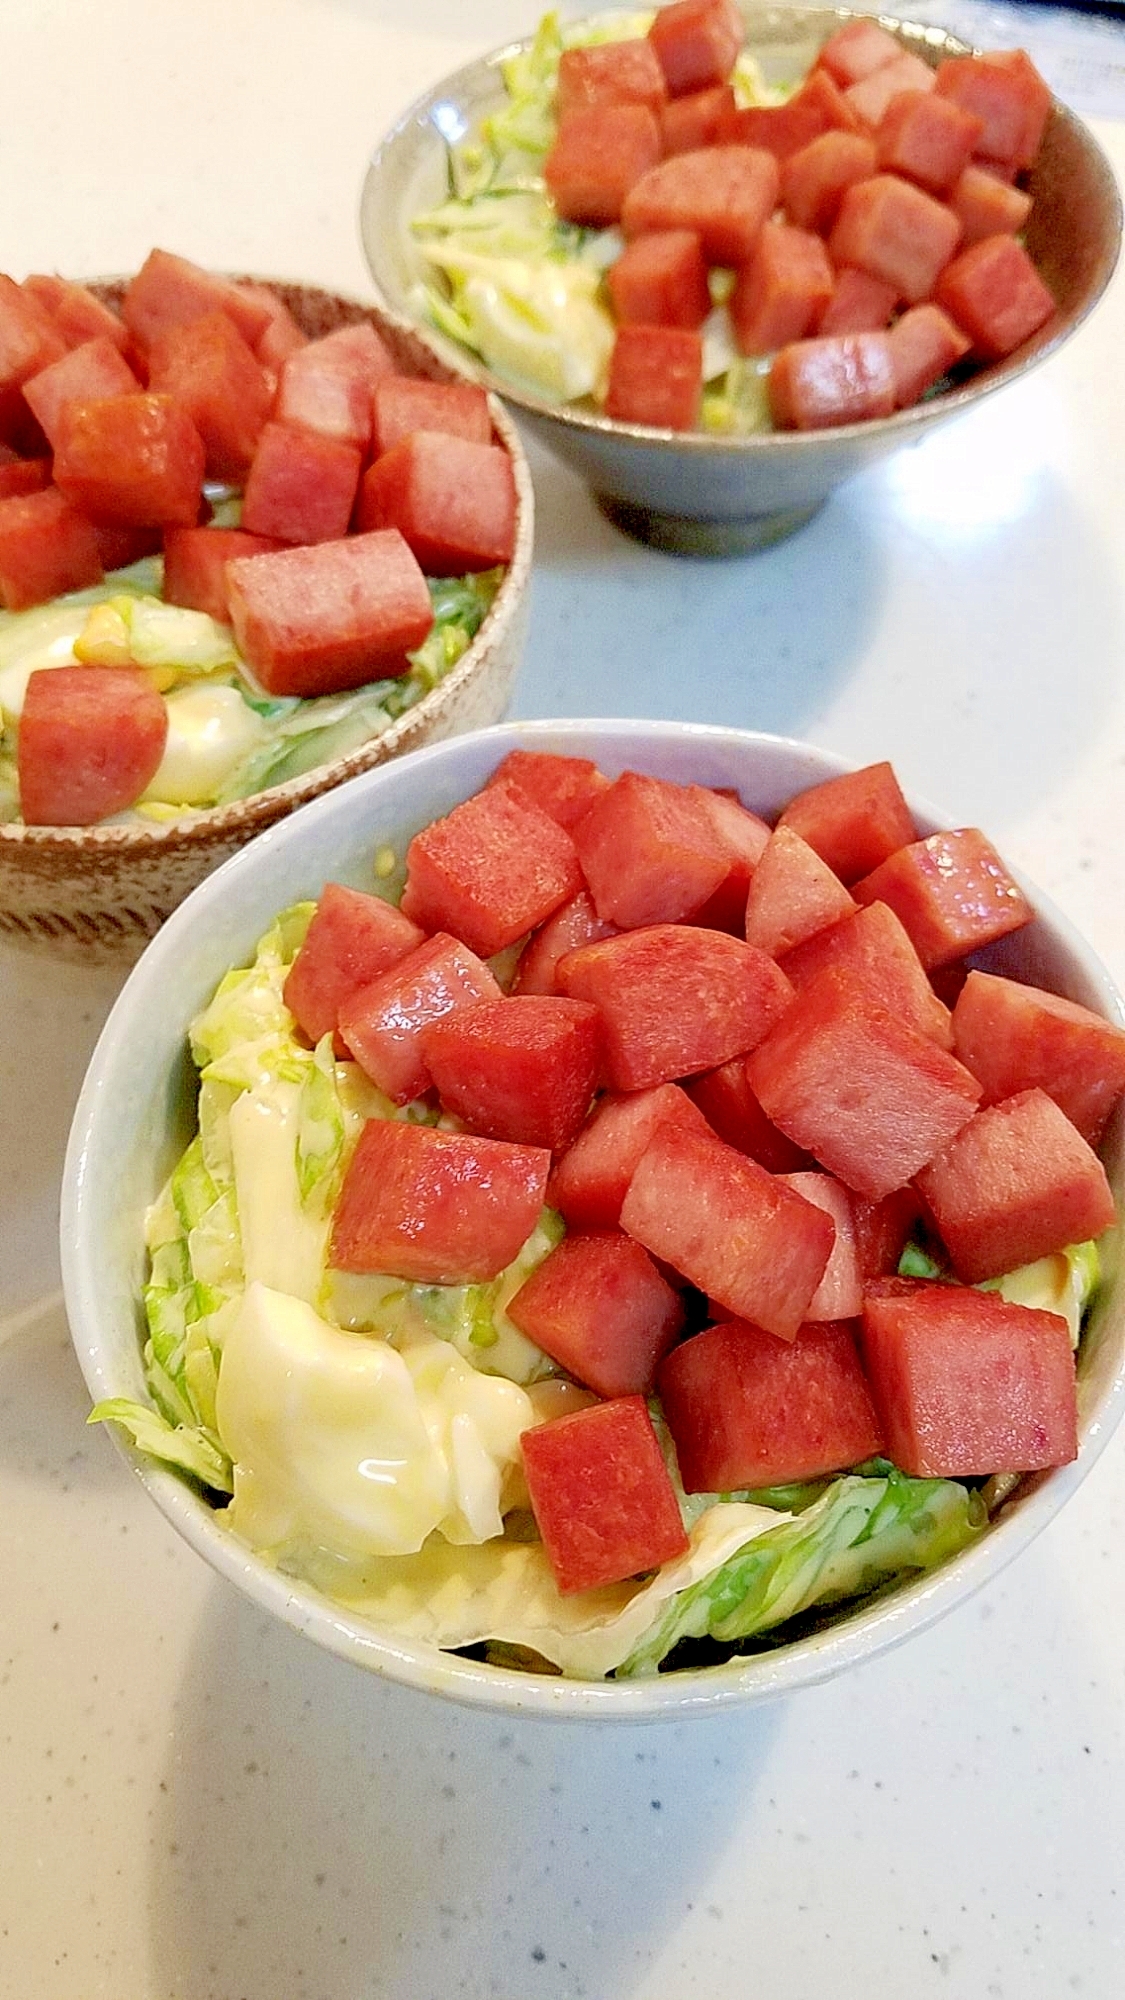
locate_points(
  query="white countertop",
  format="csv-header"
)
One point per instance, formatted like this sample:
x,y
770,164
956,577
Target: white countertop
x,y
198,1806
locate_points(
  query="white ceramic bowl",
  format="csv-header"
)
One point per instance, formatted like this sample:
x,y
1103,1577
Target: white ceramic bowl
x,y
696,492
135,1114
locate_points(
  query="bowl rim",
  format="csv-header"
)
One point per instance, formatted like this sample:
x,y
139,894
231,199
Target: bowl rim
x,y
195,826
901,423
747,1680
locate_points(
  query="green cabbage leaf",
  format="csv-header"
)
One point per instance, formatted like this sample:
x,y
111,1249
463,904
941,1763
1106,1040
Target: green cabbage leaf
x,y
862,1533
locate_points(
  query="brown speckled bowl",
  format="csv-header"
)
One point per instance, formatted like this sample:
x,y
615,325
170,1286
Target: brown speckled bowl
x,y
98,894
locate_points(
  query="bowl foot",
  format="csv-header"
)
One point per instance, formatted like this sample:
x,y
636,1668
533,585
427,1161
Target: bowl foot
x,y
683,535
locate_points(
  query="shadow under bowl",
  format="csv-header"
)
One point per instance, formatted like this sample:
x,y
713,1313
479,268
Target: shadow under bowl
x,y
703,494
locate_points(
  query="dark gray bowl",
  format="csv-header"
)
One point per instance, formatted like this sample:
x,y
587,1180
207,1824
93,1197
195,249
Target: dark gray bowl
x,y
705,494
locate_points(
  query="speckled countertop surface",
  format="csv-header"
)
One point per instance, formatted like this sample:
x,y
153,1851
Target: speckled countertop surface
x,y
198,1806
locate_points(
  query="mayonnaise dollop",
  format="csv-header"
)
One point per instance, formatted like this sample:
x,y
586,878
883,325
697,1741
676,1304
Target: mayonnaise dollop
x,y
342,1443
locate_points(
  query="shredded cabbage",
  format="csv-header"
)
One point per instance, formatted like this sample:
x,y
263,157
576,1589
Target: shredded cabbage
x,y
859,1535
226,739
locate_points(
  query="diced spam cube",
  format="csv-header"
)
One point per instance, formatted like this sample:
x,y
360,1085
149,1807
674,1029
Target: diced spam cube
x,y
381,1021
997,96
987,206
926,137
872,96
491,870
195,566
328,385
562,787
599,154
90,739
660,280
867,1095
858,49
746,1410
729,1227
453,502
212,372
314,620
966,1384
650,851
874,949
601,1494
731,1109
301,487
813,179
405,403
839,1294
1017,1183
132,461
723,193
1016,1038
996,295
590,1181
575,923
779,129
793,895
674,1000
28,339
892,229
951,892
46,547
744,836
687,123
282,337
819,106
600,1308
625,72
521,1067
77,313
84,373
854,821
781,293
814,384
172,291
1036,102
821,92
859,303
352,939
655,377
696,42
435,1208
925,345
